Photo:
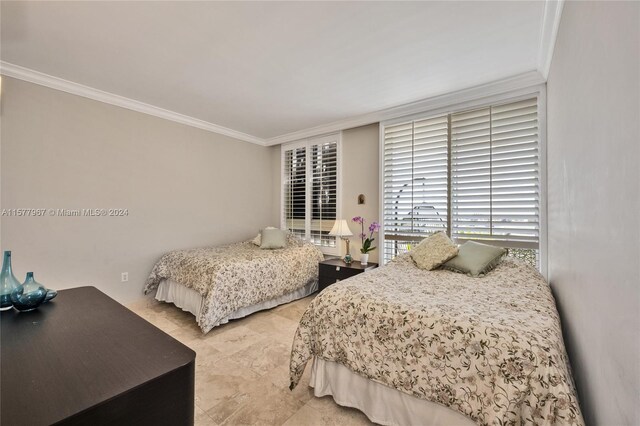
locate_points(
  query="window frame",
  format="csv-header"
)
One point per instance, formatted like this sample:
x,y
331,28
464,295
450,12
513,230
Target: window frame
x,y
308,144
460,104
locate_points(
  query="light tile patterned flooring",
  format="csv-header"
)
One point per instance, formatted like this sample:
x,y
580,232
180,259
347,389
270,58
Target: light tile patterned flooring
x,y
242,369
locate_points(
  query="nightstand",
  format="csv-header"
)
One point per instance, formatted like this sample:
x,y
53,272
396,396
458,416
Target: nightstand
x,y
334,270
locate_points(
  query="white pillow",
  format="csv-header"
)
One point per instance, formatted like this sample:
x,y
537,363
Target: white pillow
x,y
258,239
433,251
273,239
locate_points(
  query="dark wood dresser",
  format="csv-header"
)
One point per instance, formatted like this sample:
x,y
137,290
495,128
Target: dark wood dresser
x,y
84,359
333,270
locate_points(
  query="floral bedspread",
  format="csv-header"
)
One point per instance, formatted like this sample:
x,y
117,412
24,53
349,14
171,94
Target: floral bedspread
x,y
237,275
490,348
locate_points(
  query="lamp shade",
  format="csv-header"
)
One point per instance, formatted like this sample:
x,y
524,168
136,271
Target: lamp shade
x,y
340,229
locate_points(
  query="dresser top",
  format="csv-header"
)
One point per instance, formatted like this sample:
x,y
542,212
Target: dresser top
x,y
75,352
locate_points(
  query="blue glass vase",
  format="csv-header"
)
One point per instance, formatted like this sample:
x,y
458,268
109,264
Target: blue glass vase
x,y
8,283
28,296
50,295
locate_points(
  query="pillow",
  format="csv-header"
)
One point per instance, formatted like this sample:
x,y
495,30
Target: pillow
x,y
475,259
433,251
273,238
294,240
258,239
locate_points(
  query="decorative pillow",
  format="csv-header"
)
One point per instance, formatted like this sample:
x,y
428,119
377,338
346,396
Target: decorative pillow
x,y
294,240
273,238
433,251
475,259
258,239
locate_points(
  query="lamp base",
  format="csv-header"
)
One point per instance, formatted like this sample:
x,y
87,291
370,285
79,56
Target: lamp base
x,y
347,257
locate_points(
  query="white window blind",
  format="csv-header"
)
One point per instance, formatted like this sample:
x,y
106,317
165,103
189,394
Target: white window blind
x,y
494,171
310,190
473,174
295,190
415,182
324,187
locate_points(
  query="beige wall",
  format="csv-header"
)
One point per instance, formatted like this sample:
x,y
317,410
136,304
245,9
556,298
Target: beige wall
x,y
276,190
360,164
183,187
593,203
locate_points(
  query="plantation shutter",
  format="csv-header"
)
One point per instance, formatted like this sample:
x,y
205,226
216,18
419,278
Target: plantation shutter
x,y
415,182
495,175
474,174
310,190
295,190
324,181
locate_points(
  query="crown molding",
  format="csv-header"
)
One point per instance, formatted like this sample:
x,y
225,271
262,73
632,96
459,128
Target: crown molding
x,y
548,34
549,31
36,77
509,84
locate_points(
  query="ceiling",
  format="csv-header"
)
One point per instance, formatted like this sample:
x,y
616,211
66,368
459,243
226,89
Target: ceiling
x,y
264,70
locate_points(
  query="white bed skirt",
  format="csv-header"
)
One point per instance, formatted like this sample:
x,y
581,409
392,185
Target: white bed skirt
x,y
190,300
382,404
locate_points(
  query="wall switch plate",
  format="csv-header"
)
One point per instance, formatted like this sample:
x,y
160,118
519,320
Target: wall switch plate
x,y
124,277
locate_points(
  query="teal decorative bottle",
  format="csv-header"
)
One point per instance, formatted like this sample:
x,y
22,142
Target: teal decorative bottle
x,y
29,295
8,282
50,295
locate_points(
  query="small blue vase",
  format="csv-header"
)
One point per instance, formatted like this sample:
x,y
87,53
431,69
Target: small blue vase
x,y
29,295
8,282
50,295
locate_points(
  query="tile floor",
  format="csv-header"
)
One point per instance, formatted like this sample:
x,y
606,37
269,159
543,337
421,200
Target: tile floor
x,y
242,369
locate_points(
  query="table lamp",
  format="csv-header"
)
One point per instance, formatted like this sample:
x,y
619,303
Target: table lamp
x,y
341,229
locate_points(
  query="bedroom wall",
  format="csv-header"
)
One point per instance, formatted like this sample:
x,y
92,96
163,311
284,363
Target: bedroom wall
x,y
183,187
360,164
276,179
593,203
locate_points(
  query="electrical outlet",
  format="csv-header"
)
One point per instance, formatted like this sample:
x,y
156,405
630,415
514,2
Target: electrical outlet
x,y
124,277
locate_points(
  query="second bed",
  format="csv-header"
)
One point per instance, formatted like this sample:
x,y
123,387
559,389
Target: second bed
x,y
217,284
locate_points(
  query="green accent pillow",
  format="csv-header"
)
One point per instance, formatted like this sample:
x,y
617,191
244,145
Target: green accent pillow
x,y
475,259
273,239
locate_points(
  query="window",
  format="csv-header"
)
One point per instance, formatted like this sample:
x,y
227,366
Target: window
x,y
295,190
310,190
474,174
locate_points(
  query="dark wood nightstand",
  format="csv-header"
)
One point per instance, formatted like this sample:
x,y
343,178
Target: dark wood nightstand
x,y
334,270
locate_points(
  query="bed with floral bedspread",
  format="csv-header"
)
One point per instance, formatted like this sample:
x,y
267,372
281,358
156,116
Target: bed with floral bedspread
x,y
490,348
237,275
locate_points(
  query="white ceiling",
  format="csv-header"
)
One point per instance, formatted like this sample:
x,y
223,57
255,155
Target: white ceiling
x,y
268,69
